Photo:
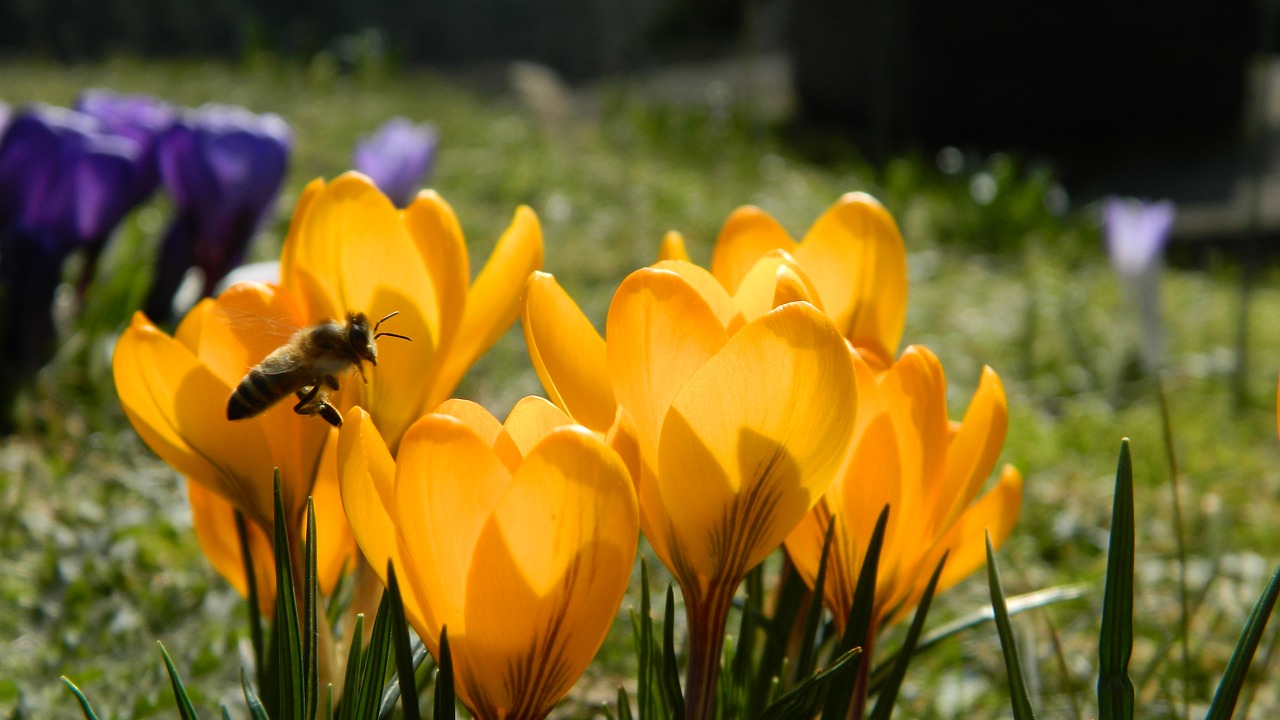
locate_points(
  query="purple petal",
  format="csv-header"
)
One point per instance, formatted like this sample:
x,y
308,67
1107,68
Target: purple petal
x,y
223,166
1136,232
140,118
397,157
62,179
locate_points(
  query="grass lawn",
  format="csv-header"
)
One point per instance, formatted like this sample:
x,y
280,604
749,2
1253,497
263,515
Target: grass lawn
x,y
97,557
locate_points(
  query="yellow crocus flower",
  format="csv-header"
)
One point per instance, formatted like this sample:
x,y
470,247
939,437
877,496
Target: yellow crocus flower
x,y
348,250
740,425
174,391
852,254
907,455
516,538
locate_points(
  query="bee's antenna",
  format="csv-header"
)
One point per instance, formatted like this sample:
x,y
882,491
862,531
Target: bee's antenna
x,y
386,317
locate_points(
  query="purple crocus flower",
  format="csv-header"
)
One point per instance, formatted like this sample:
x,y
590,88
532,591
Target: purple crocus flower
x,y
223,166
1136,233
397,157
64,186
140,118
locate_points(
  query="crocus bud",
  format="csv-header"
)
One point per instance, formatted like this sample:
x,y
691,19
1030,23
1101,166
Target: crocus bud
x,y
398,157
223,166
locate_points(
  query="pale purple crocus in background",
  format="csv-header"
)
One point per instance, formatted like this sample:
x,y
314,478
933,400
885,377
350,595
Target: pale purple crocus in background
x,y
223,167
397,157
1136,233
64,186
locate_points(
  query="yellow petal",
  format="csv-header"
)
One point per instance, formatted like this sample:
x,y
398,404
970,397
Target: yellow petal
x,y
244,324
434,227
178,408
996,511
660,331
855,256
355,254
475,416
551,567
192,325
292,244
916,390
366,477
447,483
792,286
495,299
710,289
532,419
672,247
753,439
758,293
747,235
567,353
336,546
973,451
214,522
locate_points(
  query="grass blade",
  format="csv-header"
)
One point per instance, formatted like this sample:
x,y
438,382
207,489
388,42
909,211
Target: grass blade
x,y
310,620
1171,455
808,641
1019,698
889,694
778,631
647,693
1224,698
185,708
1016,605
251,700
443,704
255,615
669,671
80,698
286,635
391,693
851,686
373,665
801,702
1115,642
400,644
352,680
624,704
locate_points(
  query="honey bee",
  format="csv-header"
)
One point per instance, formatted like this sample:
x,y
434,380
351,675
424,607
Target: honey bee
x,y
310,361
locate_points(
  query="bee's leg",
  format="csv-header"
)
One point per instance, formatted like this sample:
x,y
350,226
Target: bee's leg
x,y
331,381
360,369
329,413
305,397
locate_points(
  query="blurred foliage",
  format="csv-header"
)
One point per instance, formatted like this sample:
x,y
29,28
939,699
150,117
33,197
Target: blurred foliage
x,y
97,559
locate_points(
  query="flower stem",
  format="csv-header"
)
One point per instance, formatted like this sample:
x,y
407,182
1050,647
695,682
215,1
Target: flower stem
x,y
707,615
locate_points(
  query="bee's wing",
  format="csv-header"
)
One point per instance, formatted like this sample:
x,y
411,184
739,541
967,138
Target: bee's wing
x,y
254,324
262,337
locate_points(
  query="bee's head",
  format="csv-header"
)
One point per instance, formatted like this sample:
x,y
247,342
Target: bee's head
x,y
360,338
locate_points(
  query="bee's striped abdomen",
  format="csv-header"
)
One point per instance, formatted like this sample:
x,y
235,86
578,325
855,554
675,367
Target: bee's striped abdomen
x,y
257,392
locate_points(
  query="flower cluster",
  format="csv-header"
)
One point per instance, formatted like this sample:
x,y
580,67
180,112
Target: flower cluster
x,y
68,177
725,413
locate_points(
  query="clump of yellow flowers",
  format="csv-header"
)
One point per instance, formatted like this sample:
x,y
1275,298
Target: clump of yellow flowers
x,y
725,413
